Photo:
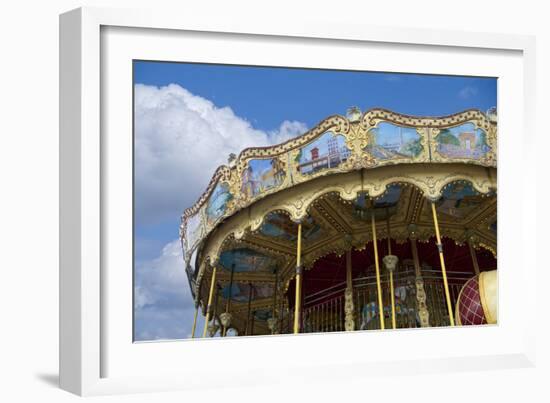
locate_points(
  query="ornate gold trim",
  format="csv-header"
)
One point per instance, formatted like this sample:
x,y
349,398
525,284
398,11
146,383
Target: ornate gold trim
x,y
356,139
297,202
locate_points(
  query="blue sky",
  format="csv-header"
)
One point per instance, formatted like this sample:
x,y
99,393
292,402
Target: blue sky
x,y
267,96
189,117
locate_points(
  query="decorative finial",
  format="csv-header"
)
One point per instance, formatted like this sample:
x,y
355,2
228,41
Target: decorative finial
x,y
348,241
413,231
390,261
225,318
231,160
354,114
492,114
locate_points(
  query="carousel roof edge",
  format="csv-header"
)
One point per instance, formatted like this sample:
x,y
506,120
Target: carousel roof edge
x,y
373,113
231,189
225,169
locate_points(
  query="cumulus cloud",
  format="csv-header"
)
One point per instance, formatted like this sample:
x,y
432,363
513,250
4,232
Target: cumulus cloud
x,y
163,303
180,139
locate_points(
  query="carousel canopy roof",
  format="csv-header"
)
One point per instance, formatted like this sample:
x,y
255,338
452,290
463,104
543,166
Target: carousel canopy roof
x,y
330,178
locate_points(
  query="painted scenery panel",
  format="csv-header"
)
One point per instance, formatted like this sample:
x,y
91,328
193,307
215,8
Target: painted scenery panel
x,y
464,141
217,203
247,260
388,141
262,175
280,226
383,206
193,230
328,151
390,198
459,200
241,292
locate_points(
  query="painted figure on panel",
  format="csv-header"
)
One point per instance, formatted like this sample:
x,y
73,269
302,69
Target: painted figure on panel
x,y
388,141
241,292
262,175
217,203
328,151
194,229
246,260
278,225
464,141
459,199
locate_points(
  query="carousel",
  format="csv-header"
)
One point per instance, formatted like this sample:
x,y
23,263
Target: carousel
x,y
368,221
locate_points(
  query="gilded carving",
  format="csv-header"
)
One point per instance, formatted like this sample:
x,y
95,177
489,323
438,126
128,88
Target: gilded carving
x,y
422,307
296,201
239,193
349,310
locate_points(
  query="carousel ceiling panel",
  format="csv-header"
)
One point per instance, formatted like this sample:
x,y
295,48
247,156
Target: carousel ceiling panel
x,y
461,205
459,201
393,203
387,205
247,260
241,292
281,227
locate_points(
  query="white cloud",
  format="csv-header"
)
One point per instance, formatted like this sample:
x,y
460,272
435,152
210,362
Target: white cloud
x,y
163,303
161,276
467,92
180,139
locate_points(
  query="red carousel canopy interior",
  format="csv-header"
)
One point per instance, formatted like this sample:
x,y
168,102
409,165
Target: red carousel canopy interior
x,y
331,269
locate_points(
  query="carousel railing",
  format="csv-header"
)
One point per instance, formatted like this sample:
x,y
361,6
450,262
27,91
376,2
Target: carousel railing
x,y
324,311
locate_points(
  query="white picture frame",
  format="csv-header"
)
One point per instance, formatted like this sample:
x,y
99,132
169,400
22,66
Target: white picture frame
x,y
89,337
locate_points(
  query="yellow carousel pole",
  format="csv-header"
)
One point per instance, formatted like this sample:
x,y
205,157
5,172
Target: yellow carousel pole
x,y
392,291
298,300
209,306
377,266
442,261
195,319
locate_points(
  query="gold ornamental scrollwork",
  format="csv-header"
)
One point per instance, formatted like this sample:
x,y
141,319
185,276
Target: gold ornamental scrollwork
x,y
430,179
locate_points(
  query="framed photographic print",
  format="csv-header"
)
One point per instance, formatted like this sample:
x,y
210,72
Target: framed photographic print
x,y
250,194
